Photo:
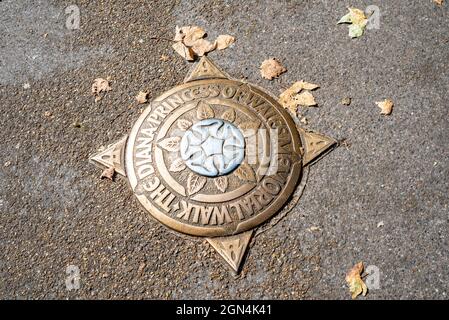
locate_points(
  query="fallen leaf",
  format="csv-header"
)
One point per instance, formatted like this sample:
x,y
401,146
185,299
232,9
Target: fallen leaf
x,y
271,68
142,97
386,106
100,85
108,174
223,41
346,101
202,46
164,58
195,183
305,99
439,2
179,34
358,21
355,282
192,34
303,85
185,52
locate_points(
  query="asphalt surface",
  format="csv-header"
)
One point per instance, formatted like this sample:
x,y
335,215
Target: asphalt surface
x,y
381,198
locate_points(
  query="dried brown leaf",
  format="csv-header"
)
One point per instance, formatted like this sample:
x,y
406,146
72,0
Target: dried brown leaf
x,y
202,46
100,85
204,111
355,282
108,174
245,172
271,68
192,34
195,183
386,106
305,98
185,52
223,41
142,97
177,165
221,183
170,144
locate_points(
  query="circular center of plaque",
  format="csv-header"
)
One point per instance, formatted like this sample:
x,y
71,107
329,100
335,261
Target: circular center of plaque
x,y
212,147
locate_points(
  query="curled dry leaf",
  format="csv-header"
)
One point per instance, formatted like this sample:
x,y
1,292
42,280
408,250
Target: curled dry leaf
x,y
294,96
245,172
271,68
355,282
185,52
201,46
223,41
177,165
386,106
142,97
195,183
228,115
108,174
305,99
221,183
170,144
204,111
184,124
100,85
192,34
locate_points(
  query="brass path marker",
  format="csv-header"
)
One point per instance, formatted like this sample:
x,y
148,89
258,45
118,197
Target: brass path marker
x,y
214,158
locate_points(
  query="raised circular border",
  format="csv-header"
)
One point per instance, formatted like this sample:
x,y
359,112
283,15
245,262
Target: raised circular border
x,y
246,225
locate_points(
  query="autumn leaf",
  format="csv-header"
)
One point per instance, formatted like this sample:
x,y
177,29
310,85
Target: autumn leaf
x,y
184,124
177,165
142,97
100,85
170,144
202,46
228,115
185,52
355,282
386,106
357,20
221,183
195,183
108,174
271,68
245,172
204,111
192,34
295,96
223,41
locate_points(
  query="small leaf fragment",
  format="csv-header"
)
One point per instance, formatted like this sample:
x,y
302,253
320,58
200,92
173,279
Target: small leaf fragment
x,y
355,282
223,41
271,68
142,97
305,98
192,34
108,174
202,46
346,101
345,19
185,52
386,106
355,31
99,86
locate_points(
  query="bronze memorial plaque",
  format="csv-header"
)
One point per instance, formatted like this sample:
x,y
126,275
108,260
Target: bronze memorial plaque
x,y
215,158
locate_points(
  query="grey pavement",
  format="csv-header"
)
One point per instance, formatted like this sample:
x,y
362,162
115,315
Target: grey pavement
x,y
382,198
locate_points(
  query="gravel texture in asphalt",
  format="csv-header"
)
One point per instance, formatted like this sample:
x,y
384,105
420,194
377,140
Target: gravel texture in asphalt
x,y
380,198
